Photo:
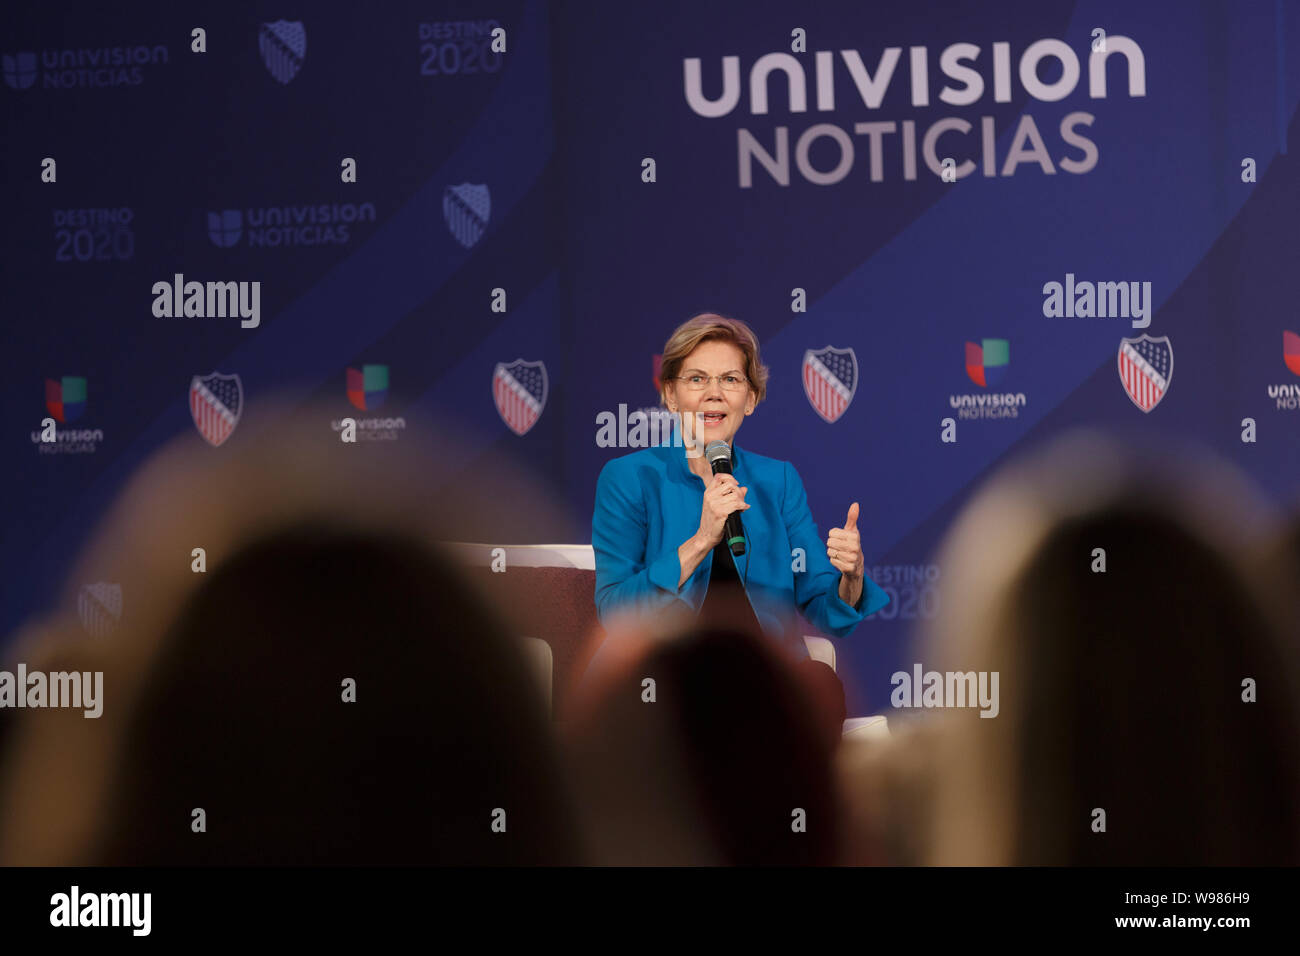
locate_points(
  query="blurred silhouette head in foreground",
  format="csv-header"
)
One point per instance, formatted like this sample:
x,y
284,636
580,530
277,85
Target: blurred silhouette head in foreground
x,y
700,745
328,691
1107,586
243,713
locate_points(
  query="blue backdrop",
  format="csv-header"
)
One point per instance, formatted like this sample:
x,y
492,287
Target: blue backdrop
x,y
1159,161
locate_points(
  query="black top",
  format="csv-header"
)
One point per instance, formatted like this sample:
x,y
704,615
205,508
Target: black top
x,y
723,580
724,565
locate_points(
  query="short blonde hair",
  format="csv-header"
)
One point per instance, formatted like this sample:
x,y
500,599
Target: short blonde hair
x,y
709,326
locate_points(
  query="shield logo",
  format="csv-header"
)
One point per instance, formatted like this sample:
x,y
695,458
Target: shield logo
x,y
467,208
284,47
216,402
65,399
20,70
519,391
225,228
987,362
1146,366
830,377
99,606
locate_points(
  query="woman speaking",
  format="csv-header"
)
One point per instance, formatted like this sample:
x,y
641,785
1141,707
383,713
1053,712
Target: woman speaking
x,y
661,514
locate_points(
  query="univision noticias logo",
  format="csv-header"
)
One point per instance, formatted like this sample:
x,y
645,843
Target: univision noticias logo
x,y
81,68
367,386
1287,395
65,403
367,390
19,70
325,224
987,363
65,398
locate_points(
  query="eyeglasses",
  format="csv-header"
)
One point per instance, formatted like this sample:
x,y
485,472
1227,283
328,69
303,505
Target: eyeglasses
x,y
698,382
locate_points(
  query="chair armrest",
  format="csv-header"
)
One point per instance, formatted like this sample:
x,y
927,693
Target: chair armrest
x,y
820,649
541,661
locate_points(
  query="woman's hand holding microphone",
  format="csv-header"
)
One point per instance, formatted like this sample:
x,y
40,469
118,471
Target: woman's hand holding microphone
x,y
722,496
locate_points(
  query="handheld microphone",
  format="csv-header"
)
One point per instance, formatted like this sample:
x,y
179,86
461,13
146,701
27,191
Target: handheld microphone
x,y
719,454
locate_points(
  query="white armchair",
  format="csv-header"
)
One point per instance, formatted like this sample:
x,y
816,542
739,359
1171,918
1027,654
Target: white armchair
x,y
582,557
820,649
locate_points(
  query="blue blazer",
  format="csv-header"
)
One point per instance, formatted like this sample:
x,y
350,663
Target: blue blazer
x,y
648,503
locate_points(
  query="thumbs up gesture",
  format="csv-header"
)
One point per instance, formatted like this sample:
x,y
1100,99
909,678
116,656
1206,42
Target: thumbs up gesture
x,y
844,549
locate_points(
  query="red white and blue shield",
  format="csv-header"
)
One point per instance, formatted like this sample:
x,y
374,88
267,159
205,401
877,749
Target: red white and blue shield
x,y
519,391
467,209
1146,366
830,377
99,606
216,402
284,47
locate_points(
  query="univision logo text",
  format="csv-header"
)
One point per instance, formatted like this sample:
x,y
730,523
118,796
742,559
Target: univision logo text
x,y
326,224
850,86
81,68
